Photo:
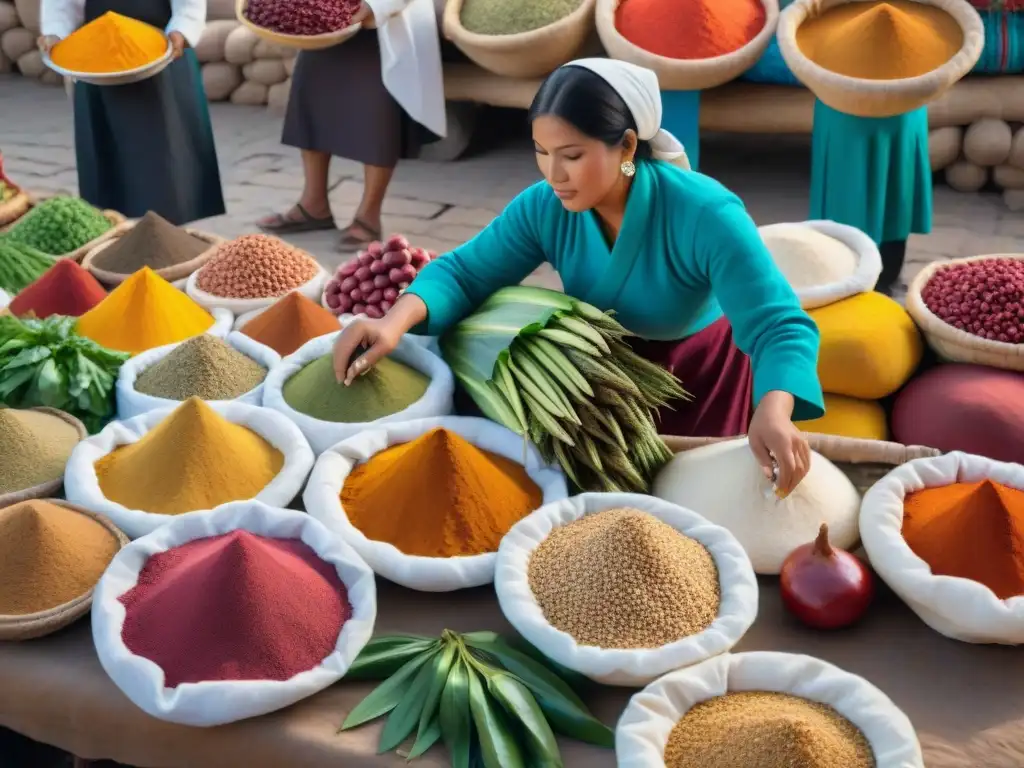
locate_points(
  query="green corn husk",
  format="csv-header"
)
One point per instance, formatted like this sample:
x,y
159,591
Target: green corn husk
x,y
558,371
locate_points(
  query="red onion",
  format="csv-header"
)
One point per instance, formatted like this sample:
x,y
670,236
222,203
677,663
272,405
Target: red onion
x,y
825,587
371,283
984,298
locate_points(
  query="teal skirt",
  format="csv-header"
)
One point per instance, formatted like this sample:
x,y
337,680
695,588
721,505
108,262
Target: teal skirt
x,y
872,173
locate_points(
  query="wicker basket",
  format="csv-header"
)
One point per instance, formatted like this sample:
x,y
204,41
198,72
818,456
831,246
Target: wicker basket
x,y
300,42
865,462
53,486
78,254
536,53
35,625
14,209
686,74
170,274
879,98
951,343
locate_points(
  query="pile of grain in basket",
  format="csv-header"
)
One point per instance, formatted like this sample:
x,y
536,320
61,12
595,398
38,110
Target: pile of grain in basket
x,y
60,225
153,242
34,447
203,367
621,578
256,267
808,257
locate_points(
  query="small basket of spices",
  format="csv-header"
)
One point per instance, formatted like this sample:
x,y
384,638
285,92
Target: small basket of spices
x,y
35,444
623,587
64,227
52,554
427,502
732,710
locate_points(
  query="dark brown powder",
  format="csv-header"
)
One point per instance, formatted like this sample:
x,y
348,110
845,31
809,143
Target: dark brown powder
x,y
153,242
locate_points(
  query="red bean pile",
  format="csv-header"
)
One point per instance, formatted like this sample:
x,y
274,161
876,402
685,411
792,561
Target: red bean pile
x,y
302,17
984,298
370,283
256,267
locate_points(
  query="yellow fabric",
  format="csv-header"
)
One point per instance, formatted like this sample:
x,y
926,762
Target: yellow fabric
x,y
870,346
850,417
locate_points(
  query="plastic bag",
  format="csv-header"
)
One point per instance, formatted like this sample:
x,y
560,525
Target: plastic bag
x,y
311,290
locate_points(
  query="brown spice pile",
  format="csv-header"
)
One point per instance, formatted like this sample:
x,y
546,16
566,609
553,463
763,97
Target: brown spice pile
x,y
761,729
203,367
34,447
153,242
256,267
621,578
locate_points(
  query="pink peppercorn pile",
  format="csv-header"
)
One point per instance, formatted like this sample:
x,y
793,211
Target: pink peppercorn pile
x,y
302,17
256,267
984,298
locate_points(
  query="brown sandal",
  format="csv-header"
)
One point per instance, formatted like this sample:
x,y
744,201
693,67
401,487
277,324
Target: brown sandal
x,y
281,224
351,242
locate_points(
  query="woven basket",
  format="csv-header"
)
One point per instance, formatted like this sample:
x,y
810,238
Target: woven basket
x,y
300,42
951,343
53,486
536,53
14,209
78,254
686,74
865,462
878,98
33,625
170,274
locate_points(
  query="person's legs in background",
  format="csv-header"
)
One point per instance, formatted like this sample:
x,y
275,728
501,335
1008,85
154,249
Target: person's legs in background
x,y
893,253
313,211
366,223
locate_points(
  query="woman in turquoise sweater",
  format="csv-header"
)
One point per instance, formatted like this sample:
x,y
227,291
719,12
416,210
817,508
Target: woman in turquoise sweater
x,y
630,228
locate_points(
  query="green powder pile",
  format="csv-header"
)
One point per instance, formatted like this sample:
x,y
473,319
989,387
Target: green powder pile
x,y
389,387
34,447
60,225
510,17
203,367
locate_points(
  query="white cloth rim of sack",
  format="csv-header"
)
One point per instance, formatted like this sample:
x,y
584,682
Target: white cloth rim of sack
x,y
5,298
82,487
958,608
644,727
617,666
430,342
131,403
222,320
438,400
310,289
639,89
425,574
217,702
865,276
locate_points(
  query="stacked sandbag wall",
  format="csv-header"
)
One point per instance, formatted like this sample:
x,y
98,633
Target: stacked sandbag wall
x,y
239,67
989,151
19,28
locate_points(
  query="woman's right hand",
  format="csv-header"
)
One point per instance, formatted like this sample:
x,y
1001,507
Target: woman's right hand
x,y
378,337
46,42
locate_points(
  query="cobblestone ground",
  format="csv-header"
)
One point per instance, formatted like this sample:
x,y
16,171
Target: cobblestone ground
x,y
440,205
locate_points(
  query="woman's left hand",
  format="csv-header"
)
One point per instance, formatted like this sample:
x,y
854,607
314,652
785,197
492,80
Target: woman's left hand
x,y
178,45
772,433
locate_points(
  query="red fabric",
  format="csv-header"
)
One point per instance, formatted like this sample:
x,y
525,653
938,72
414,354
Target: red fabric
x,y
715,372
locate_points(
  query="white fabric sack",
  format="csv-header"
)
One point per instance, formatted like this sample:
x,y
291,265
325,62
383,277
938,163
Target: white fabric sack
x,y
82,486
430,342
958,608
131,403
862,278
618,666
5,298
438,400
310,290
650,716
217,702
222,320
425,574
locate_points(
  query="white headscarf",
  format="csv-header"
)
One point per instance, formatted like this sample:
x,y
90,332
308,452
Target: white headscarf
x,y
638,87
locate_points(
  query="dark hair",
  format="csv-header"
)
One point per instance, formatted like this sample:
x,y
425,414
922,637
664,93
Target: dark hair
x,y
586,101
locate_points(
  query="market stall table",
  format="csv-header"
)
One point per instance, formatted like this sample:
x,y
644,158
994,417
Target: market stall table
x,y
55,691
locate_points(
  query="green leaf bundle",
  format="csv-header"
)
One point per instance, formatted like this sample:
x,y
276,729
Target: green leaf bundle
x,y
20,265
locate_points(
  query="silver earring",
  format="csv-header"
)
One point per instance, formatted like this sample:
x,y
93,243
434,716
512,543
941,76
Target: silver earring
x,y
628,168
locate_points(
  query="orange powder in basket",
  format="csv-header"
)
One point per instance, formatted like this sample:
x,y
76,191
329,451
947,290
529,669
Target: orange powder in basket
x,y
690,29
971,530
881,40
110,43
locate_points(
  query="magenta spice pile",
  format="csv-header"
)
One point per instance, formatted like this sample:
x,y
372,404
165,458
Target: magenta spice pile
x,y
235,607
371,283
302,17
256,267
984,298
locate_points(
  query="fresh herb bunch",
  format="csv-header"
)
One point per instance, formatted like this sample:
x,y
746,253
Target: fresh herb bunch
x,y
44,362
489,703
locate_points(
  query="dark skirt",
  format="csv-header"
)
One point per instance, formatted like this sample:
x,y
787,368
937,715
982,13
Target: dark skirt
x,y
718,375
338,105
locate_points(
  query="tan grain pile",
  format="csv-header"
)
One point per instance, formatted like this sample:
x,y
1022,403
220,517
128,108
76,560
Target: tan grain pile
x,y
203,367
34,447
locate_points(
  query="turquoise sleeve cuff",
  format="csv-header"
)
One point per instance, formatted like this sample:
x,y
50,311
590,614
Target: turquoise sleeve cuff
x,y
444,305
809,403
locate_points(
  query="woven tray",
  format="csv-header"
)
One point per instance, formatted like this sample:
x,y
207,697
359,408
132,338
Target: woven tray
x,y
14,209
35,625
878,98
951,343
865,462
78,254
686,74
536,53
300,42
53,486
170,274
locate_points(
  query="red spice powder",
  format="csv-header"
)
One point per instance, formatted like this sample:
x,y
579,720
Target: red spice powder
x,y
64,289
235,607
690,29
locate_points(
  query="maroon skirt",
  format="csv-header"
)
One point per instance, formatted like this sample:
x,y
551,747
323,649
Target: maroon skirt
x,y
718,375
